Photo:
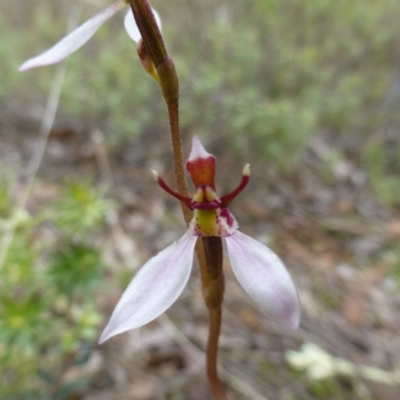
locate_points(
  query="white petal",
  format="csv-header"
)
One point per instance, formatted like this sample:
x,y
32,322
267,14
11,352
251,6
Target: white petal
x,y
74,40
132,28
198,150
154,288
264,277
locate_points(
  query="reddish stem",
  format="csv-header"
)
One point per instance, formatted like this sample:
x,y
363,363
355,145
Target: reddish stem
x,y
225,200
208,250
179,172
212,354
184,199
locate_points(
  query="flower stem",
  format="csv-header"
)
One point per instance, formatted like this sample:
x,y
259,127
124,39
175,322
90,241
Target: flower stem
x,y
209,255
179,172
209,249
213,287
212,354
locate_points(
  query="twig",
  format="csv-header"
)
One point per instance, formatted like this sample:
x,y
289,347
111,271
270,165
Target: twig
x,y
102,158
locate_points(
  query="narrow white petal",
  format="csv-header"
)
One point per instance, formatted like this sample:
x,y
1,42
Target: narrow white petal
x,y
132,28
154,288
74,40
264,277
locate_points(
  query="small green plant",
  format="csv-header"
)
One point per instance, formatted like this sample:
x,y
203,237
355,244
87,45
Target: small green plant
x,y
47,308
326,389
79,208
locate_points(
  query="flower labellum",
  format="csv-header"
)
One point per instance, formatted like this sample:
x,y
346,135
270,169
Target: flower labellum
x,y
162,279
77,38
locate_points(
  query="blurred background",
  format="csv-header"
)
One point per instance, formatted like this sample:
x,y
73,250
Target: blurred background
x,y
307,92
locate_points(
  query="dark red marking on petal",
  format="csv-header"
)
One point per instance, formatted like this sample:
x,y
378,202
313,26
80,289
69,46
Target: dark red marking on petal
x,y
228,216
202,171
205,205
201,165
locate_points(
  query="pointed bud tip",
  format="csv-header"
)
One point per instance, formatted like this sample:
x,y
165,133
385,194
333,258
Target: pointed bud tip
x,y
246,170
155,174
146,61
198,151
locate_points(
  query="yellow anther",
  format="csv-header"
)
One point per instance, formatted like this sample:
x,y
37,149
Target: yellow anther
x,y
210,194
199,195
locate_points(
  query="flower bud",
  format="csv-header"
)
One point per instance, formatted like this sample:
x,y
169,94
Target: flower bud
x,y
146,60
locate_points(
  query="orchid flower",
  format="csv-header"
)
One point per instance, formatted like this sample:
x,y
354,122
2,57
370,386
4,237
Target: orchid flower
x,y
162,279
77,38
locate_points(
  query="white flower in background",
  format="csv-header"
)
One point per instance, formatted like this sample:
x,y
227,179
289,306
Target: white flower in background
x,y
77,38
